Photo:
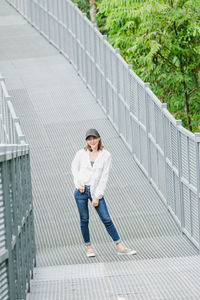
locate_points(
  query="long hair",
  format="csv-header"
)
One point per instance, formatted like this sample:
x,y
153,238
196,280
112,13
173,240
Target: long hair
x,y
100,146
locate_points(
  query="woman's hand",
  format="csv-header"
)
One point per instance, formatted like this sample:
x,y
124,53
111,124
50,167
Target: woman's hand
x,y
81,188
95,201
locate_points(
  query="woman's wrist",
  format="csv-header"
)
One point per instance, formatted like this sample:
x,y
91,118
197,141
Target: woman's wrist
x,y
95,201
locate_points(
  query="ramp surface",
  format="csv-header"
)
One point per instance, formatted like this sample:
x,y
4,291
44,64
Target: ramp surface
x,y
55,110
168,278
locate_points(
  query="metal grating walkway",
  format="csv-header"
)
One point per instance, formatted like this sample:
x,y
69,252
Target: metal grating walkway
x,y
169,278
55,109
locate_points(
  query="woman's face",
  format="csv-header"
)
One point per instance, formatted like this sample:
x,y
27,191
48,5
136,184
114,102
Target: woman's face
x,y
93,141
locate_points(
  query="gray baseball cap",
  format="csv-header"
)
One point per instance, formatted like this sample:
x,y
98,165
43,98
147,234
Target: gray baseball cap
x,y
92,132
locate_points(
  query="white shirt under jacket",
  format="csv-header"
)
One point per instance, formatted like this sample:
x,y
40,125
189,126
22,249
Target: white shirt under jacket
x,y
95,176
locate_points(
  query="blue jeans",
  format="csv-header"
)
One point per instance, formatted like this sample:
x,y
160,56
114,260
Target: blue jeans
x,y
82,203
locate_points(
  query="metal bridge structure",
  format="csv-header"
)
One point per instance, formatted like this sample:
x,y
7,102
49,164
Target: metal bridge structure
x,y
60,77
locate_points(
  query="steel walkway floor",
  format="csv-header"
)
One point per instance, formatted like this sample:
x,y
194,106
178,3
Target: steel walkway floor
x,y
55,109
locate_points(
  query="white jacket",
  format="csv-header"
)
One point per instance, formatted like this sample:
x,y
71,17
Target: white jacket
x,y
81,169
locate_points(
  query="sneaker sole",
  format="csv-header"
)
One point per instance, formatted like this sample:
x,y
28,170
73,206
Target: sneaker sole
x,y
91,255
131,253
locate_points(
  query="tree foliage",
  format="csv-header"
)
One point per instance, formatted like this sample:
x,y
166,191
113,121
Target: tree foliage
x,y
161,39
84,6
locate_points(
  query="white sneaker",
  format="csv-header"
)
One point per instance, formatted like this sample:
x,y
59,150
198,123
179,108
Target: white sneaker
x,y
126,251
90,253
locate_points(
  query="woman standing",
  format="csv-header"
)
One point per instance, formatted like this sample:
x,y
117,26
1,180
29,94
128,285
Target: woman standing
x,y
90,168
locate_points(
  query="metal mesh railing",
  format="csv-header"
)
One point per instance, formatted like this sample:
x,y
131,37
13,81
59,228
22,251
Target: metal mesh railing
x,y
17,245
10,130
166,152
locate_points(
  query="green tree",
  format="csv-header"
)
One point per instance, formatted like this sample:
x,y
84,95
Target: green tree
x,y
89,7
84,6
161,39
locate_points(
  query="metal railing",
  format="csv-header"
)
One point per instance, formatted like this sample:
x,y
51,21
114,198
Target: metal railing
x,y
166,152
17,244
10,130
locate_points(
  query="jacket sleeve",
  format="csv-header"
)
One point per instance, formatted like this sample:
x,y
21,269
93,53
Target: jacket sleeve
x,y
75,165
100,189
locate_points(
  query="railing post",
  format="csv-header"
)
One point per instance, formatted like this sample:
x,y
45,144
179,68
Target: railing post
x,y
6,122
163,107
2,79
147,86
76,37
28,9
39,19
85,54
58,19
31,11
73,35
31,217
95,60
16,220
197,150
105,74
128,100
8,226
48,23
182,212
67,31
10,121
117,52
